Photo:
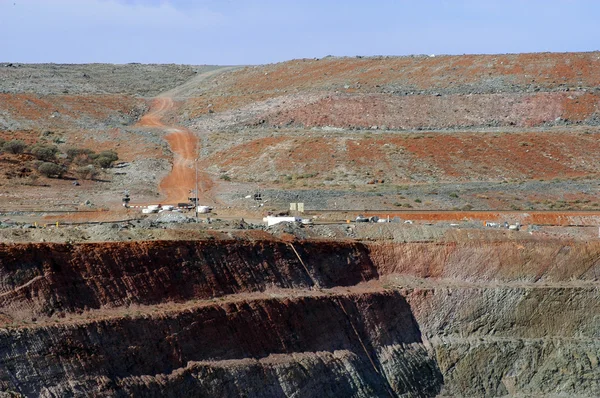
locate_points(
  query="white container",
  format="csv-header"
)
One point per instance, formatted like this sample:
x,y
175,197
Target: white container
x,y
272,220
204,209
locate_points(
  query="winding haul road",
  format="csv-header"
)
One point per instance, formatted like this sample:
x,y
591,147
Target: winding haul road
x,y
176,186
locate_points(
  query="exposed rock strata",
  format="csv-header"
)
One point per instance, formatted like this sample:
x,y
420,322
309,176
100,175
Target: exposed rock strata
x,y
270,318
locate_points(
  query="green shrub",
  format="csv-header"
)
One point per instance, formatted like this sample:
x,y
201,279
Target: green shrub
x,y
104,162
225,177
110,154
46,153
105,159
72,153
51,169
86,172
14,146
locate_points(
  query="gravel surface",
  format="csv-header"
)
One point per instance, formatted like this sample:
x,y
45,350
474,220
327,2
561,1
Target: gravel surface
x,y
133,79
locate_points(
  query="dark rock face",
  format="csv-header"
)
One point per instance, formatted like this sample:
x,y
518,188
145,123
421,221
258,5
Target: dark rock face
x,y
222,336
48,278
273,318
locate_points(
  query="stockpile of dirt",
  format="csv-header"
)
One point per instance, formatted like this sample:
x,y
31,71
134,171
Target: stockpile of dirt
x,y
380,111
404,76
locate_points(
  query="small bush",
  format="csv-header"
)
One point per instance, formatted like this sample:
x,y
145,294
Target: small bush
x,y
105,159
84,159
72,153
453,195
14,146
104,162
307,175
225,177
110,154
51,169
86,172
418,200
44,152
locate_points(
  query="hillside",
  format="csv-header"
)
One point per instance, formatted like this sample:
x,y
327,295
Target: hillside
x,y
335,124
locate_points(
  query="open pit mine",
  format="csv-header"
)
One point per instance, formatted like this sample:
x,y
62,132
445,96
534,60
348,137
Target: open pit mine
x,y
447,243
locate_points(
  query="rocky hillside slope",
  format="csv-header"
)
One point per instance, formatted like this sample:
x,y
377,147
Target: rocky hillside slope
x,y
349,126
402,120
273,318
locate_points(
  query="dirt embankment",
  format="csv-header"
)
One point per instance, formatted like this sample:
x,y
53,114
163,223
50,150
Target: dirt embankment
x,y
335,123
34,112
333,159
402,76
440,112
172,317
525,218
341,122
155,272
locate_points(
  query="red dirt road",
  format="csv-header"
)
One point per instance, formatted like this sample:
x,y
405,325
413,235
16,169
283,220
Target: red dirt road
x,y
554,218
177,185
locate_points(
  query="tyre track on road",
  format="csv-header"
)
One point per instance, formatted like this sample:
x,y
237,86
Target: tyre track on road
x,y
176,186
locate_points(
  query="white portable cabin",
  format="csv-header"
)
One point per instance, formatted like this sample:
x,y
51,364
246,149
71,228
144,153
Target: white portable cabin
x,y
272,220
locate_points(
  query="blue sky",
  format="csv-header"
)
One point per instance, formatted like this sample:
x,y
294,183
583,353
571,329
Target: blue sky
x,y
264,31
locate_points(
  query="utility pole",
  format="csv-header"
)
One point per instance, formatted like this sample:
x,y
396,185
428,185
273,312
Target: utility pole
x,y
196,207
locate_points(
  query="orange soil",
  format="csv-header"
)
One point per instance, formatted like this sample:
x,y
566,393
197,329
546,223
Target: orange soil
x,y
423,72
456,111
444,157
34,114
69,108
590,218
373,75
177,185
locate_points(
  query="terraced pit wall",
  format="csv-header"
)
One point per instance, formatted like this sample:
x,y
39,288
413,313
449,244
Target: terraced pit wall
x,y
314,318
